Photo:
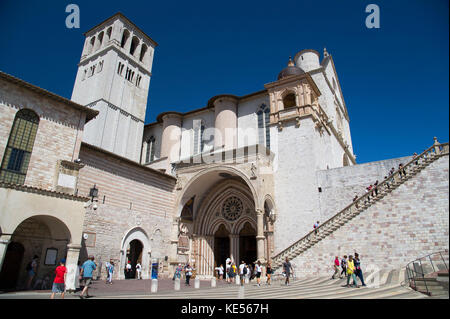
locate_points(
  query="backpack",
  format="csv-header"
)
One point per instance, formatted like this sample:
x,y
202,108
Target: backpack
x,y
244,271
28,267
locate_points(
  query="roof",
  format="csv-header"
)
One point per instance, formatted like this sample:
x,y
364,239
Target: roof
x,y
90,113
123,17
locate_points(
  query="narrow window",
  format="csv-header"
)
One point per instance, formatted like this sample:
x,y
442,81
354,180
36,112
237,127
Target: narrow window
x,y
150,154
263,126
20,145
267,127
199,143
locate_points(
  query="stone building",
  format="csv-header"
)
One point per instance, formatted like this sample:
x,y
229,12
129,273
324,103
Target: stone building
x,y
242,176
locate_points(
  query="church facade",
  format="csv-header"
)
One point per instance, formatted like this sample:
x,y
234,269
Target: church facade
x,y
235,160
235,178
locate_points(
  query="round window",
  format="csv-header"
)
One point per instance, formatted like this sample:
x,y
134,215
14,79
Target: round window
x,y
232,208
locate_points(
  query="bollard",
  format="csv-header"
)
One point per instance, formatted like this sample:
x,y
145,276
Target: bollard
x,y
154,285
213,282
177,284
196,283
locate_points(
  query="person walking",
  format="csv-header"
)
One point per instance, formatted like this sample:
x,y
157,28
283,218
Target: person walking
x,y
60,279
316,226
354,200
139,270
269,272
344,266
375,189
188,273
227,270
258,271
351,272
110,272
177,273
401,170
32,270
242,272
358,271
128,270
336,267
233,272
87,269
287,267
221,270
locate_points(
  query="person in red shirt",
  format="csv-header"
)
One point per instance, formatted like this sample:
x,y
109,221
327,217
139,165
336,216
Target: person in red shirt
x,y
336,267
60,278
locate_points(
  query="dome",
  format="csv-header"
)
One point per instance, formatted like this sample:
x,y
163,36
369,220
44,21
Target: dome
x,y
291,69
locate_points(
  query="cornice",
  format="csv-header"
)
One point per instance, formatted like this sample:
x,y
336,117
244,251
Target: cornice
x,y
45,192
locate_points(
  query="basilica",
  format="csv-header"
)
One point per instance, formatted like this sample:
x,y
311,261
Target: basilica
x,y
243,177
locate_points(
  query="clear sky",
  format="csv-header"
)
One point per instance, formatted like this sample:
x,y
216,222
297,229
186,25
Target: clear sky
x,y
394,79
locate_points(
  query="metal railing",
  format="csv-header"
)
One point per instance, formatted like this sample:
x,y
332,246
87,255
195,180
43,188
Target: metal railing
x,y
420,269
394,180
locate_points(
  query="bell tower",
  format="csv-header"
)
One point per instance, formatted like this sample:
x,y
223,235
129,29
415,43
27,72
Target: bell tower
x,y
114,77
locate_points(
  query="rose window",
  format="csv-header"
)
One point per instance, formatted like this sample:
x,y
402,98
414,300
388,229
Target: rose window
x,y
232,208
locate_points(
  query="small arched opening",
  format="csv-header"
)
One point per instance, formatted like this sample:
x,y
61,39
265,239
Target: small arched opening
x,y
289,100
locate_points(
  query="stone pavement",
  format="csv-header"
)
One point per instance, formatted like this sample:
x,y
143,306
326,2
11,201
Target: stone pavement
x,y
391,286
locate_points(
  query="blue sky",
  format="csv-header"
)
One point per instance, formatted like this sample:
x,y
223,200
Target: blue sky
x,y
394,79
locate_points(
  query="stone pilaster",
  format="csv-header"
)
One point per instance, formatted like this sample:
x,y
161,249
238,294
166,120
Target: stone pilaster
x,y
260,235
4,242
73,253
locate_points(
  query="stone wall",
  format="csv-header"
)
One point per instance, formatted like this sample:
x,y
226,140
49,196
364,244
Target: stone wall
x,y
58,136
408,223
340,185
130,199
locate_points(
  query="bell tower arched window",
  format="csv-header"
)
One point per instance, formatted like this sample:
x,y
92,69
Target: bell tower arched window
x,y
20,145
263,125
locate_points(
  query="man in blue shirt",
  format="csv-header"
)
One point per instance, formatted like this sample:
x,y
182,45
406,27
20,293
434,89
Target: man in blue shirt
x,y
86,273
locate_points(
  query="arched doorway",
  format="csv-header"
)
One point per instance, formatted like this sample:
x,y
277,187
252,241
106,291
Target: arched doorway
x,y
135,247
221,245
134,256
10,271
43,236
247,244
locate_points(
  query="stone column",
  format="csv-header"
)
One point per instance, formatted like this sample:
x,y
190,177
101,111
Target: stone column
x,y
4,242
73,252
260,235
234,248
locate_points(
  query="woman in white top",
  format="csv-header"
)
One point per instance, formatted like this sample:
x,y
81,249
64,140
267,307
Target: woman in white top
x,y
258,270
138,270
220,272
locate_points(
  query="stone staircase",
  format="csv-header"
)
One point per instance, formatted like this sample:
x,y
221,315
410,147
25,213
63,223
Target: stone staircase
x,y
389,185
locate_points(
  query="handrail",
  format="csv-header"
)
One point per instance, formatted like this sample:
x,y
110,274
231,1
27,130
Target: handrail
x,y
438,148
413,274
